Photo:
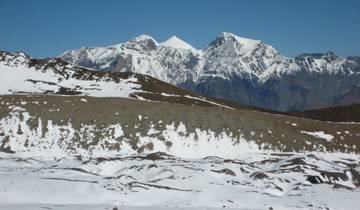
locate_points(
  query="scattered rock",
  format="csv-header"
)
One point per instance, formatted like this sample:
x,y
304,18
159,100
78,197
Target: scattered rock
x,y
314,179
225,171
259,175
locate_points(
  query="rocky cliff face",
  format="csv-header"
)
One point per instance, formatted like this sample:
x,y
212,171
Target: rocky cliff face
x,y
231,67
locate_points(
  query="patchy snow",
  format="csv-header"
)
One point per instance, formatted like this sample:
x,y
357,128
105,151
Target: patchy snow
x,y
61,139
319,134
207,101
170,95
173,138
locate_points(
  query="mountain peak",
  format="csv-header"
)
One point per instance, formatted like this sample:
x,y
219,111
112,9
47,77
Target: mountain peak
x,y
146,42
176,42
242,40
226,37
143,38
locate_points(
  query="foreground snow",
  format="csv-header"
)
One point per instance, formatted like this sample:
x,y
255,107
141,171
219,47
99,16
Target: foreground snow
x,y
94,207
261,181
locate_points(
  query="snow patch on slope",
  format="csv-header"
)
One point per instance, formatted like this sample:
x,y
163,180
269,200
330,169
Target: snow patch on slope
x,y
66,140
319,134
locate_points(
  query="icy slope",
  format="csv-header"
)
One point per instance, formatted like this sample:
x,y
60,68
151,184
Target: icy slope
x,y
247,71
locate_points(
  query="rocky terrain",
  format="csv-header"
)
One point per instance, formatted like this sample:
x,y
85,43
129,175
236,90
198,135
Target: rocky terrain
x,y
243,70
349,113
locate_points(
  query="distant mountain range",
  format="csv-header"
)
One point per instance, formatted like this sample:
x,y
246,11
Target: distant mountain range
x,y
246,71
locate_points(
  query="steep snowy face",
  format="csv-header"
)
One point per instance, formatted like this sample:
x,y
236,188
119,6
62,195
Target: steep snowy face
x,y
230,55
140,43
317,63
168,64
327,63
97,58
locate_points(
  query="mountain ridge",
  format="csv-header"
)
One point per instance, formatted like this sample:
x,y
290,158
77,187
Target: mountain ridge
x,y
246,71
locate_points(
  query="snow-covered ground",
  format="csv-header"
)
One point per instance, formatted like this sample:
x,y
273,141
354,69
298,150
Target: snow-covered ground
x,y
157,180
18,77
96,207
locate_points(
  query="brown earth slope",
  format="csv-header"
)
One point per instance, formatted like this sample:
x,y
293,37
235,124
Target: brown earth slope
x,y
269,131
349,113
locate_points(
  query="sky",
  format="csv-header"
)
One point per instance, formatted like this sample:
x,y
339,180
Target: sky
x,y
47,28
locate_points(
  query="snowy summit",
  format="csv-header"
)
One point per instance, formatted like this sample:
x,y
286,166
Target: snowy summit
x,y
176,42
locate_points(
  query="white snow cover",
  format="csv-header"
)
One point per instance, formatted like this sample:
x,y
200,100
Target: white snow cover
x,y
18,77
252,182
176,42
319,134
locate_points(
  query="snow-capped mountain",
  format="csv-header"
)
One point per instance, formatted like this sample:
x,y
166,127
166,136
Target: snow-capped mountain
x,y
231,67
167,61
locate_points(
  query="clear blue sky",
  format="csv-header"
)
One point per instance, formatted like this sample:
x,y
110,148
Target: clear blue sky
x,y
45,28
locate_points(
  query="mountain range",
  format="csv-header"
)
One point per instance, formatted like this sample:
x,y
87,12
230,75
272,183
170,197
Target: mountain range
x,y
249,72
